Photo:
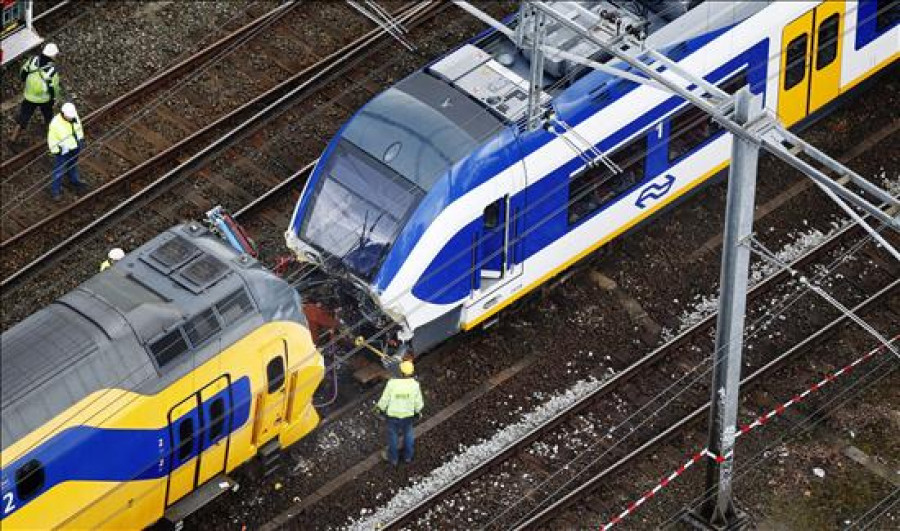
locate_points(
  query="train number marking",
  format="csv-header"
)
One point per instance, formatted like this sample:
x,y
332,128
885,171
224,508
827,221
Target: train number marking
x,y
9,503
654,191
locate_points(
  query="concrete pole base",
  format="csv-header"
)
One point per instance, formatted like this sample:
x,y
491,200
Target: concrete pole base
x,y
694,519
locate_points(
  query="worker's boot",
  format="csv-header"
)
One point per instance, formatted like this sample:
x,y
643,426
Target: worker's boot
x,y
384,457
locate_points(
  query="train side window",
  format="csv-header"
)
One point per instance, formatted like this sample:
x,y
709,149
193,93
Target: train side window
x,y
186,439
827,41
795,67
275,373
202,327
29,479
887,15
735,82
591,190
168,347
688,129
234,307
217,420
492,215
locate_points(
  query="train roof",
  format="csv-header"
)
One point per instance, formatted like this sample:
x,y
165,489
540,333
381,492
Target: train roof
x,y
420,127
169,305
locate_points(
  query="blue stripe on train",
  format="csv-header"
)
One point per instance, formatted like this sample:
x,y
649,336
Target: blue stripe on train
x,y
867,22
449,277
586,97
84,453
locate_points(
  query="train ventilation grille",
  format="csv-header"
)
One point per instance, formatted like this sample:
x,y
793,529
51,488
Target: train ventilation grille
x,y
171,254
202,273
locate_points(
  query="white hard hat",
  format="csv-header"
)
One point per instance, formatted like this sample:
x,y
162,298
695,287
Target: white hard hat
x,y
68,110
116,254
50,50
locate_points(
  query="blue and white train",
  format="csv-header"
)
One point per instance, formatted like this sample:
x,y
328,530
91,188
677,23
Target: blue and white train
x,y
439,208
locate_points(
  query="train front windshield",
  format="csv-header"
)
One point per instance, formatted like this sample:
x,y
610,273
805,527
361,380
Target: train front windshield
x,y
389,156
357,209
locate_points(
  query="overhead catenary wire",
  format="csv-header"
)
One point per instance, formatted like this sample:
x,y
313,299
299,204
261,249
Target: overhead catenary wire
x,y
751,465
760,249
334,99
774,56
879,509
30,191
755,328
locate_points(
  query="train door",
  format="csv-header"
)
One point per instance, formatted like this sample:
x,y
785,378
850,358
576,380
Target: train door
x,y
216,417
825,78
272,398
494,239
184,426
810,62
496,255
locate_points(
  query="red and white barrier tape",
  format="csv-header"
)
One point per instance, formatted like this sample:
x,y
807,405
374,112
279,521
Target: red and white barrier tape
x,y
742,430
664,482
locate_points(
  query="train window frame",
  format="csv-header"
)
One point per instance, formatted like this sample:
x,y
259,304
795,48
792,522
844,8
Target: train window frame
x,y
185,442
30,479
825,55
688,121
491,215
795,61
730,85
275,379
217,421
583,201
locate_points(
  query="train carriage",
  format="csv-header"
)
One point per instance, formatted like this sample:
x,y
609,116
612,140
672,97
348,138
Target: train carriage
x,y
17,35
132,396
434,207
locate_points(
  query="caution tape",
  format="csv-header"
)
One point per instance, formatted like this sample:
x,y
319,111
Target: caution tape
x,y
743,430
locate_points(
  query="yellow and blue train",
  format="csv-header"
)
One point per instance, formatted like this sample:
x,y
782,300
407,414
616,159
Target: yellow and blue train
x,y
129,399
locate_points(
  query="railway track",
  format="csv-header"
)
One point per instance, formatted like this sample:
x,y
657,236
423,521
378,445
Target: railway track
x,y
255,207
600,399
695,418
101,120
354,474
170,130
245,166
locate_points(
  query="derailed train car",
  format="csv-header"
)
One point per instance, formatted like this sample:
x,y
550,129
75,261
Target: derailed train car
x,y
130,398
433,208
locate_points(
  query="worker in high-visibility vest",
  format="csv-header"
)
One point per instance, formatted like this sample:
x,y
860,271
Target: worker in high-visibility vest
x,y
112,257
402,403
41,79
65,138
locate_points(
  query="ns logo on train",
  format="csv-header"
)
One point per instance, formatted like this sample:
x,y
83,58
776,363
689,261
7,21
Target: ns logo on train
x,y
655,191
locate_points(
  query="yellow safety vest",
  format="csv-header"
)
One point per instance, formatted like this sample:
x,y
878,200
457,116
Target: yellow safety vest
x,y
39,80
402,398
105,265
63,134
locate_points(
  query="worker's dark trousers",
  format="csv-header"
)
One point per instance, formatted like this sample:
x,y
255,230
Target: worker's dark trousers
x,y
27,110
65,164
400,430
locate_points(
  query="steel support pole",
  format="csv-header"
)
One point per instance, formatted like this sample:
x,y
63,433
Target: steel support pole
x,y
719,511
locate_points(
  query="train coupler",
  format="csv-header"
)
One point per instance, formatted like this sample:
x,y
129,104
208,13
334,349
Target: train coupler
x,y
226,227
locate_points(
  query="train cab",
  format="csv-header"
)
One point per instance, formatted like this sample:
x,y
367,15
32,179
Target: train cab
x,y
460,189
370,183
